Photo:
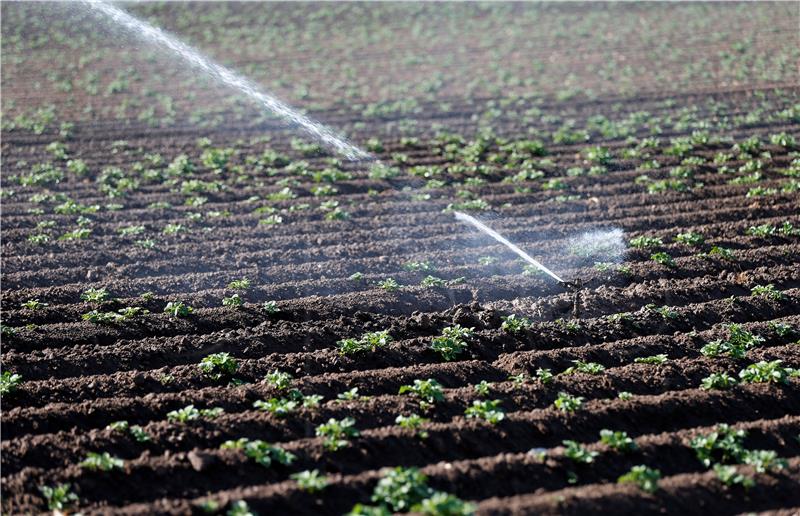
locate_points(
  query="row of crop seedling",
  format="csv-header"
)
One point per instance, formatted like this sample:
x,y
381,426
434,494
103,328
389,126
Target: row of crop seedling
x,y
336,433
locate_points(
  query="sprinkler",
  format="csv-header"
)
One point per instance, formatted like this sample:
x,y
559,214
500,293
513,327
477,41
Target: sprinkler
x,y
463,217
573,287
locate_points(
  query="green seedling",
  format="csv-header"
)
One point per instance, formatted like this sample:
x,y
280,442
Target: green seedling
x,y
451,343
278,379
33,305
736,345
441,504
653,359
9,382
585,367
578,453
178,309
413,422
544,375
101,462
218,366
310,481
401,488
767,292
568,403
644,477
261,452
279,407
664,259
368,342
723,445
240,284
59,497
690,238
234,301
271,307
482,388
767,372
765,460
645,242
515,324
617,440
389,285
428,391
489,411
336,433
240,508
719,381
95,295
351,395
730,476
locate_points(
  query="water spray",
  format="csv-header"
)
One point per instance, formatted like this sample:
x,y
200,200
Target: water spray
x,y
463,217
226,76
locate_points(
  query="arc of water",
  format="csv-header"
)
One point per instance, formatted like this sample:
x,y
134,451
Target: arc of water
x,y
463,217
147,31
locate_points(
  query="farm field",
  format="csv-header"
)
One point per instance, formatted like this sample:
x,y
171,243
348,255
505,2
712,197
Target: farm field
x,y
204,311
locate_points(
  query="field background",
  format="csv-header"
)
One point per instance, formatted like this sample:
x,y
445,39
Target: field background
x,y
124,170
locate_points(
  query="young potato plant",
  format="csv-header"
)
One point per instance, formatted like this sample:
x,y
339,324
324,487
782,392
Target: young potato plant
x,y
413,422
190,413
544,375
482,388
261,452
618,440
767,292
567,403
764,461
489,411
428,391
401,488
336,433
278,406
101,462
389,285
405,490
646,242
652,359
218,366
690,238
368,342
9,382
278,379
575,451
584,367
767,372
350,395
59,497
95,295
515,324
310,481
271,307
738,342
136,431
718,381
451,342
233,301
178,309
730,476
664,259
645,478
723,445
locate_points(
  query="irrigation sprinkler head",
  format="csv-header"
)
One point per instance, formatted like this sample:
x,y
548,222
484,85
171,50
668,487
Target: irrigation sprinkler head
x,y
572,286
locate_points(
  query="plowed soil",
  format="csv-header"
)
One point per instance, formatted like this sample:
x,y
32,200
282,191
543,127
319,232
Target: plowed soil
x,y
79,376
